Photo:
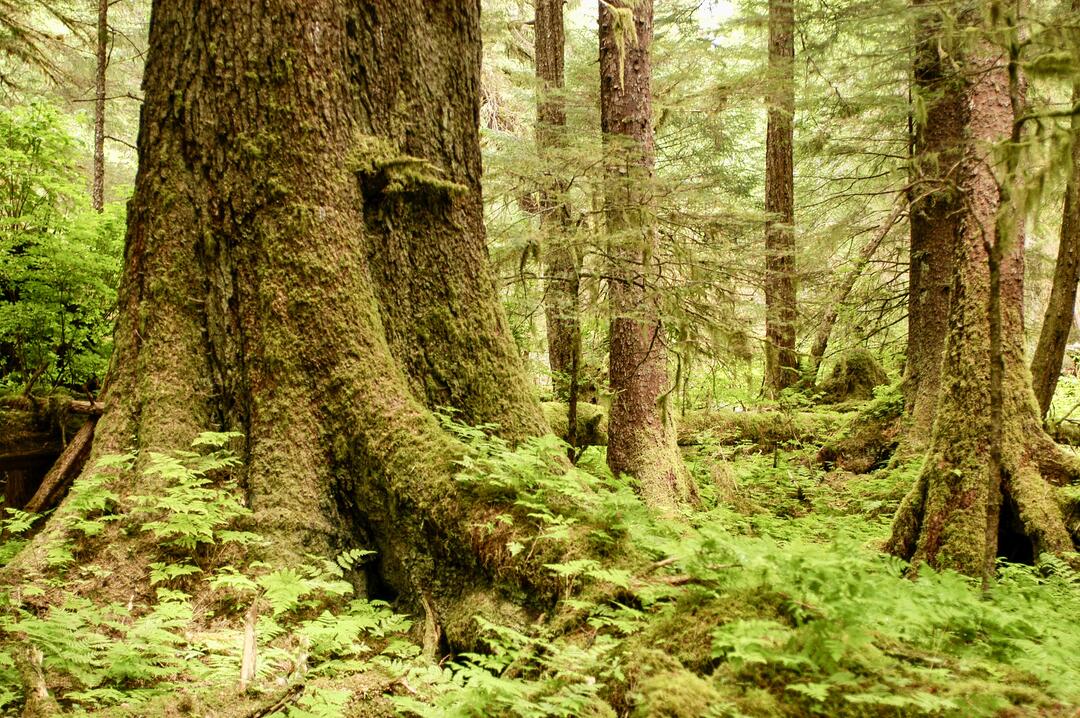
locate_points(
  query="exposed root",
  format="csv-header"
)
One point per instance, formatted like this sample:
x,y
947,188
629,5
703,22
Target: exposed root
x,y
1038,512
1056,464
908,521
432,630
39,702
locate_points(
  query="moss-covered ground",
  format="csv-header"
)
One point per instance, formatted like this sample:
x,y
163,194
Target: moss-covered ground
x,y
773,599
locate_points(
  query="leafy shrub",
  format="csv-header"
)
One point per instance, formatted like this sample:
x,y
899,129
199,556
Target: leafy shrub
x,y
59,260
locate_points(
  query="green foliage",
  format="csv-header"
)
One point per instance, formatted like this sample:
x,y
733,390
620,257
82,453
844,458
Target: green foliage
x,y
797,603
193,509
788,604
547,499
100,654
13,527
59,260
320,703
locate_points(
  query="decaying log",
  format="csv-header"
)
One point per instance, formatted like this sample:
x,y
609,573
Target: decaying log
x,y
64,471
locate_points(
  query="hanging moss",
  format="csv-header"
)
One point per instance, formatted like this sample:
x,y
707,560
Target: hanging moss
x,y
384,170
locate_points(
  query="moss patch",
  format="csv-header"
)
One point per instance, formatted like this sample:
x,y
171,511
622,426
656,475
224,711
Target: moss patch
x,y
854,376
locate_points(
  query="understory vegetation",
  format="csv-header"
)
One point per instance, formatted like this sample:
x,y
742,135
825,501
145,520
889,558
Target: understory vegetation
x,y
553,359
773,599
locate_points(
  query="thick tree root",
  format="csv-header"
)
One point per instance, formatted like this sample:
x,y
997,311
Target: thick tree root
x,y
1057,464
942,520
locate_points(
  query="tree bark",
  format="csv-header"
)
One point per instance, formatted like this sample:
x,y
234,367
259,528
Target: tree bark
x,y
781,361
1050,352
97,195
937,204
561,294
306,263
642,440
983,492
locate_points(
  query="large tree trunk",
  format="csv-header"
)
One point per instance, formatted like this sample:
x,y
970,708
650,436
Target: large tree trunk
x,y
781,361
306,263
934,221
561,293
1049,354
641,439
983,491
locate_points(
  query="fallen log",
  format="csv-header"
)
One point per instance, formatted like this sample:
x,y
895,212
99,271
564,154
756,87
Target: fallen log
x,y
34,433
66,469
765,430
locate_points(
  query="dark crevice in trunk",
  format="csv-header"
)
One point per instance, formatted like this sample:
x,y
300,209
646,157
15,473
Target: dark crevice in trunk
x,y
1013,544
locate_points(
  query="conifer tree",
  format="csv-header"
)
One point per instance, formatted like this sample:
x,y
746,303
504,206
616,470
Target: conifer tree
x,y
306,264
984,487
1060,310
641,439
781,361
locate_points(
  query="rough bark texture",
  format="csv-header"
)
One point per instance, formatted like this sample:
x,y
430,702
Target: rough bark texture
x,y
781,361
560,259
934,221
97,193
1049,354
965,509
642,441
306,263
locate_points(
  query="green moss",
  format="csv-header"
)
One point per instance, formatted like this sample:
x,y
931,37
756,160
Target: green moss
x,y
592,422
383,169
676,694
855,376
866,439
685,630
764,429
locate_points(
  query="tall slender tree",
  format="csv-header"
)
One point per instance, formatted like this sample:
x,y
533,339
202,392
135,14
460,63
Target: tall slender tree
x,y
97,194
562,265
781,361
641,439
1050,352
983,488
307,169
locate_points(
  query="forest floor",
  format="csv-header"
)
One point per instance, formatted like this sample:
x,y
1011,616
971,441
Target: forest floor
x,y
773,599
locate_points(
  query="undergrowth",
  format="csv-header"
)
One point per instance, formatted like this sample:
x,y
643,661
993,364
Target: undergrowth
x,y
784,607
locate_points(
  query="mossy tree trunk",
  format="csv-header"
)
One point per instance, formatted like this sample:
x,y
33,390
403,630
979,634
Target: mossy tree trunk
x,y
641,438
983,490
1057,323
781,361
306,263
937,202
561,260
